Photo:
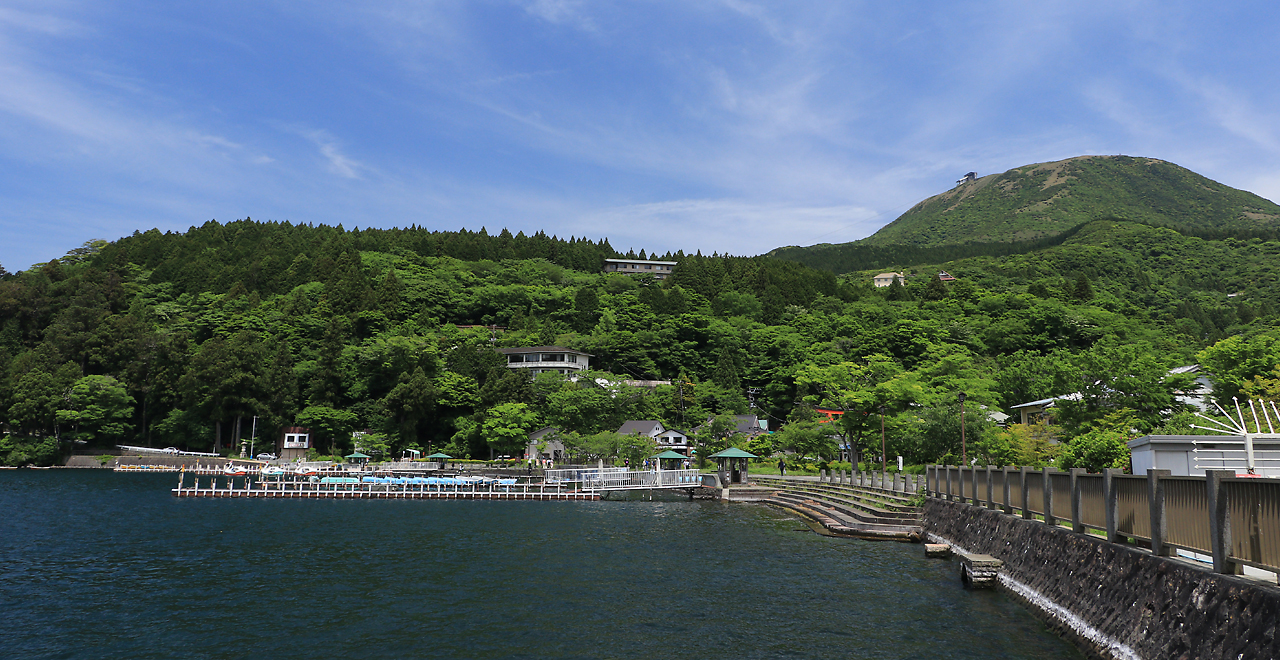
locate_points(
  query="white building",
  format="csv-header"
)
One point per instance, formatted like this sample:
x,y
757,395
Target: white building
x,y
664,437
885,279
541,359
658,269
1191,455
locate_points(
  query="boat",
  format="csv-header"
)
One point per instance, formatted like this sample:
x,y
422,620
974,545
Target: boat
x,y
306,471
233,470
273,471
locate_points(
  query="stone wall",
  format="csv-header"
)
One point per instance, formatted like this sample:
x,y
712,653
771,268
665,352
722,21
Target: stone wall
x,y
1116,600
79,461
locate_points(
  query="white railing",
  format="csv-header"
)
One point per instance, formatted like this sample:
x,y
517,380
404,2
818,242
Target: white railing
x,y
578,473
642,479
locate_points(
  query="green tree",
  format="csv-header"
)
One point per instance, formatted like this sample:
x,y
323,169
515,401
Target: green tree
x,y
507,427
331,427
98,408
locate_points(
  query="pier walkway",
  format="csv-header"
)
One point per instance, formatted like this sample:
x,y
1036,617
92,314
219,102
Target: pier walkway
x,y
616,479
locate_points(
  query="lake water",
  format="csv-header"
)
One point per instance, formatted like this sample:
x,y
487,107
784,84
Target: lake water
x,y
101,565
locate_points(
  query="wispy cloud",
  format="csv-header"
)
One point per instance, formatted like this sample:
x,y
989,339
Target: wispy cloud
x,y
339,163
562,12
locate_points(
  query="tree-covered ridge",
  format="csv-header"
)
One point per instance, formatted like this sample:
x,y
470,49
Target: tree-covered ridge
x,y
121,342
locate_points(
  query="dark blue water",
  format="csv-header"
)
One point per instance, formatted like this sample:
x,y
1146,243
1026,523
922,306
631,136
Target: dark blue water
x,y
103,565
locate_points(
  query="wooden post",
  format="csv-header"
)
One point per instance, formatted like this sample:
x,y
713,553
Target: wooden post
x,y
1220,522
1159,525
1026,497
1006,506
1047,482
1076,524
991,502
1110,500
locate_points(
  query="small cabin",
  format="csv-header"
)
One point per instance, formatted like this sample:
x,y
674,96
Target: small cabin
x,y
293,443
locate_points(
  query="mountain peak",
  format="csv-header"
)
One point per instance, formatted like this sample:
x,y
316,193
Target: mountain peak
x,y
1044,199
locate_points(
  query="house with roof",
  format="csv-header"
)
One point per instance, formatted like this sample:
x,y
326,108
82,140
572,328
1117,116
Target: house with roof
x,y
666,439
885,279
551,446
543,359
1032,411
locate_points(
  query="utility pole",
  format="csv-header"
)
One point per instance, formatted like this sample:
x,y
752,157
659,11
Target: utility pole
x,y
964,456
253,434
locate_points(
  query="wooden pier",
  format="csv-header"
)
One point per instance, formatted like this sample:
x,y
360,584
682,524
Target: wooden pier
x,y
305,489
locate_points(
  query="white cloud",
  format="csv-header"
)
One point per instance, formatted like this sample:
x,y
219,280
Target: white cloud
x,y
40,23
339,163
561,12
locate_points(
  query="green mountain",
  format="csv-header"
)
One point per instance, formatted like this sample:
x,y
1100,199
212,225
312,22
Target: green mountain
x,y
1037,206
1035,201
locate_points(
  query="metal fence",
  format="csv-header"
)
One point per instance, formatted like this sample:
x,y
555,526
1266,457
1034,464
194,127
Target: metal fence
x,y
1236,520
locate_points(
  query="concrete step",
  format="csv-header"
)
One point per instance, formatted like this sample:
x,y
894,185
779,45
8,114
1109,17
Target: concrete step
x,y
847,510
871,506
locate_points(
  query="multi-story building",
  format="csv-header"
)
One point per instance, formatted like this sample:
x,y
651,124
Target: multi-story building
x,y
541,359
659,269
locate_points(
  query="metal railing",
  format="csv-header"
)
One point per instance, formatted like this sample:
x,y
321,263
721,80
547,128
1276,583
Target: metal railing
x,y
623,479
1236,520
577,473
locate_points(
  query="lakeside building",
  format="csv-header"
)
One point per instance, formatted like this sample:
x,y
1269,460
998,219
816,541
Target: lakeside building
x,y
542,359
293,443
552,448
667,439
659,269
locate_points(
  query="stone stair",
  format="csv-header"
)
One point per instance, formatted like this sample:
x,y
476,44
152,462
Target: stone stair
x,y
848,509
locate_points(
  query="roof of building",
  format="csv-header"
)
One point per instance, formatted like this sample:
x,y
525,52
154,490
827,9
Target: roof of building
x,y
640,261
546,430
669,454
1075,396
541,349
888,275
633,426
733,452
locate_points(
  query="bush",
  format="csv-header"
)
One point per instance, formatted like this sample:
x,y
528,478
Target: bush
x,y
18,451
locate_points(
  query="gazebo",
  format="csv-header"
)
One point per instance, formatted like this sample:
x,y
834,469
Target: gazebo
x,y
357,457
733,465
668,455
439,456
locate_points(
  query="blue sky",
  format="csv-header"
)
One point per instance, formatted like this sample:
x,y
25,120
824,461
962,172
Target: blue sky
x,y
721,126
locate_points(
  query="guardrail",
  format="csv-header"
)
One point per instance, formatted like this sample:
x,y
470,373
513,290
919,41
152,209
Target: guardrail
x,y
1234,519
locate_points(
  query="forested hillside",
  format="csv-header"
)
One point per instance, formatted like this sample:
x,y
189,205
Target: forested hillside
x,y
180,339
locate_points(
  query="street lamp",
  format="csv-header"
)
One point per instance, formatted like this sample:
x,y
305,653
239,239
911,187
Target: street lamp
x,y
964,457
884,460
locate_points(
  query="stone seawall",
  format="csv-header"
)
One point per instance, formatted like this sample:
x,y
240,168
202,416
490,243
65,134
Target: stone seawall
x,y
1115,600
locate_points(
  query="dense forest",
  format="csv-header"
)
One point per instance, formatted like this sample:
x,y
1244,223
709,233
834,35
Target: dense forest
x,y
181,339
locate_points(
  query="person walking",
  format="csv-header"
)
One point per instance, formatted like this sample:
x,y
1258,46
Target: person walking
x,y
782,467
